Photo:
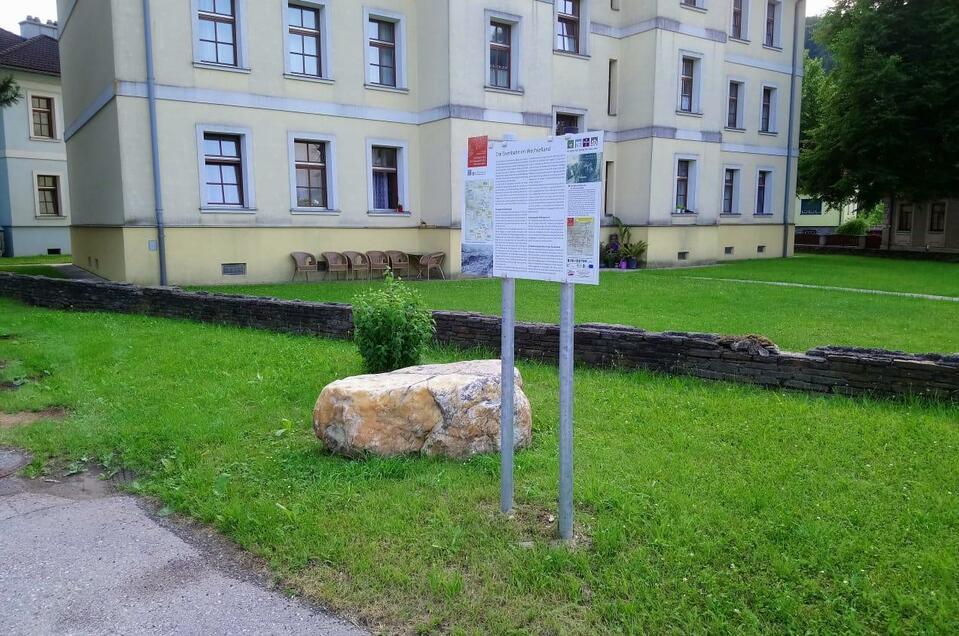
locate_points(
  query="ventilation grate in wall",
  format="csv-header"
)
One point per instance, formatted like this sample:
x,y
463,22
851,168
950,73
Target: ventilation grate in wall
x,y
233,269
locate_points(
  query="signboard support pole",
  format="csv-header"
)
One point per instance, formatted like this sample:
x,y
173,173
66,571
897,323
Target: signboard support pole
x,y
567,304
506,395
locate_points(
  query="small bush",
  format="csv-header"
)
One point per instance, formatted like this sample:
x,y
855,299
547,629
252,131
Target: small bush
x,y
856,227
391,326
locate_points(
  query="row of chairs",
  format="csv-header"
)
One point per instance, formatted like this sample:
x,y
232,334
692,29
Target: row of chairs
x,y
366,264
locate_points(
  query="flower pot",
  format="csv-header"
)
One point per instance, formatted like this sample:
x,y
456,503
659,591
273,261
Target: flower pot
x,y
633,263
623,264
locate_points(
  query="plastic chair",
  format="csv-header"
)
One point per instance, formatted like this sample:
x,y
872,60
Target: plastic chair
x,y
305,264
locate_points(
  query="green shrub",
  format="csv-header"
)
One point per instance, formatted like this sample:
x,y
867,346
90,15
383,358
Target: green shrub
x,y
856,227
391,326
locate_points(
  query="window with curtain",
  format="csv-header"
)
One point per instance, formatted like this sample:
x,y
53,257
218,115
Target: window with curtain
x,y
382,44
311,174
568,25
500,54
48,195
43,117
386,192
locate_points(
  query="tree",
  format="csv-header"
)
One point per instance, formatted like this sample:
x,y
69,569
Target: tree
x,y
9,91
814,80
888,123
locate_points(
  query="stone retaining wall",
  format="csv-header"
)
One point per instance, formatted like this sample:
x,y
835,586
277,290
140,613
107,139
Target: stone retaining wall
x,y
751,359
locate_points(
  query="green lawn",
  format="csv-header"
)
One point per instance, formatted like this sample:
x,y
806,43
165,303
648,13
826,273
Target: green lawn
x,y
795,318
44,259
708,507
862,272
32,270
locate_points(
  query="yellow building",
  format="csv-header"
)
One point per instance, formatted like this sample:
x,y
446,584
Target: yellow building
x,y
320,125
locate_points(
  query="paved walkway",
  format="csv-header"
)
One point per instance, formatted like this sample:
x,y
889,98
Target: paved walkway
x,y
78,558
855,290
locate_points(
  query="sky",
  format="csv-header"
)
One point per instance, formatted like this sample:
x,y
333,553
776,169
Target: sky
x,y
12,11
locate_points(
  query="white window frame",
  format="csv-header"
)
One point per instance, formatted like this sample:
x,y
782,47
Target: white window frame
x,y
57,115
326,66
778,29
700,5
246,167
516,75
737,190
770,189
332,202
63,201
746,12
692,185
773,109
399,20
242,58
580,113
697,105
402,178
584,29
741,104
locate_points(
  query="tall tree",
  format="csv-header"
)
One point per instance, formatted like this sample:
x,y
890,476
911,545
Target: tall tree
x,y
813,86
9,91
889,118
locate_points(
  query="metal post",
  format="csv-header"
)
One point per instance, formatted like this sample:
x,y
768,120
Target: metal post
x,y
506,392
567,303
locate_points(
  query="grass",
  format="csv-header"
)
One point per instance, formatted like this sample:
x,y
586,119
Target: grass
x,y
862,272
43,259
32,270
708,507
679,300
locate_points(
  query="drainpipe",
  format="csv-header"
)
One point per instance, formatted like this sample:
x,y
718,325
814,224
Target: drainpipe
x,y
799,14
154,141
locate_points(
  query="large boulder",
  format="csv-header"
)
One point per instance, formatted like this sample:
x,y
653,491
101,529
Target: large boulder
x,y
450,410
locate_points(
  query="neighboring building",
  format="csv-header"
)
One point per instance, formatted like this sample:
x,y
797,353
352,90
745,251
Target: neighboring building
x,y
334,125
34,201
932,226
813,216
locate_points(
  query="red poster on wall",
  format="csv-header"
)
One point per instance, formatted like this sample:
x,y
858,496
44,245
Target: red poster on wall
x,y
478,155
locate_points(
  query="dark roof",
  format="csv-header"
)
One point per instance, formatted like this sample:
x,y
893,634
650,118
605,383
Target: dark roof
x,y
39,54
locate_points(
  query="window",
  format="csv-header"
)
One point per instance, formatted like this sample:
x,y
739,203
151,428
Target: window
x,y
689,78
734,108
764,193
386,191
731,191
48,196
382,51
612,89
568,18
691,3
310,160
771,37
217,26
904,223
500,54
738,28
760,249
937,217
569,124
43,117
223,170
729,250
304,40
685,198
767,122
810,207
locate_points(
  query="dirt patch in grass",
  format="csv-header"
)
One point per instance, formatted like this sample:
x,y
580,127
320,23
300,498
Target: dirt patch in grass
x,y
24,418
16,383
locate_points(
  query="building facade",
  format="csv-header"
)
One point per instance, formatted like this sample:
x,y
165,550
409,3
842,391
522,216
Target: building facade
x,y
34,201
814,216
315,125
929,226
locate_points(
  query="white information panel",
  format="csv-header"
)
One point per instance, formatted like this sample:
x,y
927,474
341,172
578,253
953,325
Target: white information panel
x,y
532,209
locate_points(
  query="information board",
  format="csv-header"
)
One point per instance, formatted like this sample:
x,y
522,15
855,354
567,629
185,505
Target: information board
x,y
532,208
